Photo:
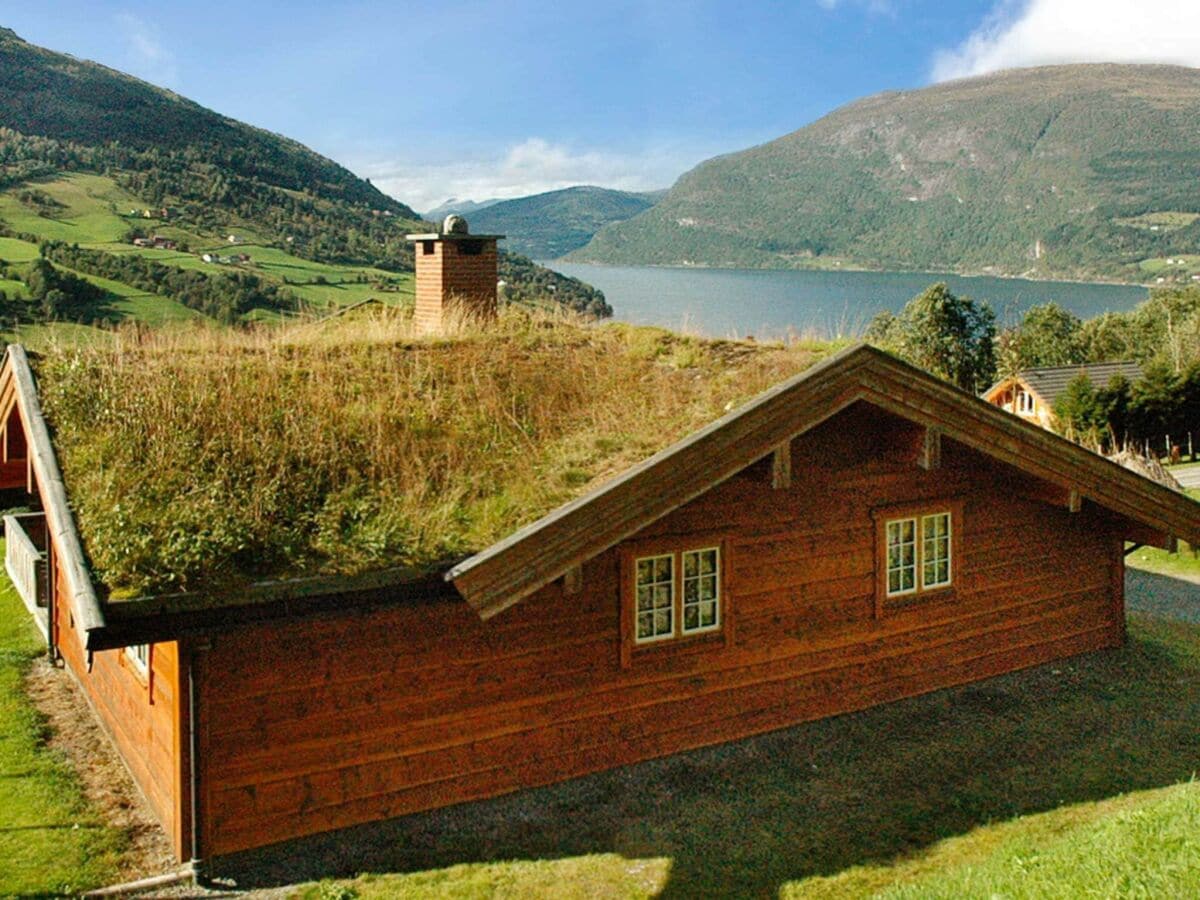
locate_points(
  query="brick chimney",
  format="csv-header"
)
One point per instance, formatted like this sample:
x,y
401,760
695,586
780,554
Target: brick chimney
x,y
456,275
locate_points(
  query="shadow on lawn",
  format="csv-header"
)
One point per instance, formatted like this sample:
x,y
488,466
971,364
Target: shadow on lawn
x,y
745,818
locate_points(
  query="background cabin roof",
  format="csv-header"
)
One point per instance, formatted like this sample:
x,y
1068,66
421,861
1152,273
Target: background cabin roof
x,y
1050,382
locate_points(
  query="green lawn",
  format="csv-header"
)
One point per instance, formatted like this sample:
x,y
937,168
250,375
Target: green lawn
x,y
93,210
50,843
1184,563
15,251
1071,779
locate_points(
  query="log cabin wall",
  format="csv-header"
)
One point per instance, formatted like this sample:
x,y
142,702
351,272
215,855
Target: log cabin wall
x,y
313,725
144,713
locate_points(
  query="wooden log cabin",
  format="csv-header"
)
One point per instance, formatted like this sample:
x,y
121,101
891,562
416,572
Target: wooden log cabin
x,y
860,533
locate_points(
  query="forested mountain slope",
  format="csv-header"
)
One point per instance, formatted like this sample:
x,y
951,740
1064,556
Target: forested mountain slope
x,y
550,225
1080,170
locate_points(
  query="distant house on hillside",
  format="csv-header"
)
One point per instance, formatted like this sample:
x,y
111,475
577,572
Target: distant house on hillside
x,y
1032,393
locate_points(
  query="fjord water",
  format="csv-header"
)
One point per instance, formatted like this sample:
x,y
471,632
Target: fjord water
x,y
773,304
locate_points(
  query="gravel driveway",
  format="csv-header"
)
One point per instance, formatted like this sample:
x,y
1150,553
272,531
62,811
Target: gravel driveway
x,y
1165,596
1188,476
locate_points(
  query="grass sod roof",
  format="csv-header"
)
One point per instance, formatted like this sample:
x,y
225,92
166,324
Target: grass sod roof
x,y
201,461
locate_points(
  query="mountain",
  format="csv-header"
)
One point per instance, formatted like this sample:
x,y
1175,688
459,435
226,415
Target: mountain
x,y
57,96
550,225
92,160
1080,171
454,205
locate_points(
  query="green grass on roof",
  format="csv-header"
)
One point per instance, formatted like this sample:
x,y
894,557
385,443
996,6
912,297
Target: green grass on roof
x,y
197,458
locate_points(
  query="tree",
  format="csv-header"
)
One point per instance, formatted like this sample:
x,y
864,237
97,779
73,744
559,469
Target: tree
x,y
1155,405
950,336
1108,337
1078,413
1049,336
1113,404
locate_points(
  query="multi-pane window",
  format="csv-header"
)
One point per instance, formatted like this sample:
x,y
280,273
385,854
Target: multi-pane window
x,y
700,590
918,546
656,597
902,556
935,550
677,594
1024,402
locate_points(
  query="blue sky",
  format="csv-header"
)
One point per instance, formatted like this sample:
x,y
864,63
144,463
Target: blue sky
x,y
474,99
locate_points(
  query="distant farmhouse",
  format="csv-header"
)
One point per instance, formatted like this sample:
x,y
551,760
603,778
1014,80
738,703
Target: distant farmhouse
x,y
1032,393
157,242
860,533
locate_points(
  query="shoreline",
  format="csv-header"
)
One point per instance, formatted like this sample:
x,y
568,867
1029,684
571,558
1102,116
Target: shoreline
x,y
853,269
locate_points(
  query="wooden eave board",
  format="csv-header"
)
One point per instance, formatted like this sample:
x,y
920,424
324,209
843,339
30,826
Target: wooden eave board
x,y
85,606
532,557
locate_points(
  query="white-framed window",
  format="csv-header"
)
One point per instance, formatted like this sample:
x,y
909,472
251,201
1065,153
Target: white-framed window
x,y
1025,402
935,550
701,590
655,598
901,557
918,553
676,594
139,655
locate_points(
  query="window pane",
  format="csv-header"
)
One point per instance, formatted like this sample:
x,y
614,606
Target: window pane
x,y
645,625
662,568
691,590
708,614
662,596
690,564
691,617
662,622
645,598
645,571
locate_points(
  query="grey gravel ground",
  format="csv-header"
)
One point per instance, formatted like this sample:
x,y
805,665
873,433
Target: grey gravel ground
x,y
1189,476
1165,596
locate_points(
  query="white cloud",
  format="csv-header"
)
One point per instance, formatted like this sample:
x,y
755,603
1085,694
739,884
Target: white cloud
x,y
147,57
529,167
1045,32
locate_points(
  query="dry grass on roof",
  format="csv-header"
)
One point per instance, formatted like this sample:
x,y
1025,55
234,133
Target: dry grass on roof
x,y
196,458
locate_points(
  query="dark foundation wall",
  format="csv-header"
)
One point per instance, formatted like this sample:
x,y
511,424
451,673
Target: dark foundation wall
x,y
314,725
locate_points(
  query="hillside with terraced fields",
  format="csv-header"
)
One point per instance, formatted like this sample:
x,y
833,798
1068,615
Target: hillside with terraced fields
x,y
148,206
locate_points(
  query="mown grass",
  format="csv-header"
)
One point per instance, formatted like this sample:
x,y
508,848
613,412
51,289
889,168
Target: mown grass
x,y
202,455
1185,562
1069,779
14,250
50,842
93,208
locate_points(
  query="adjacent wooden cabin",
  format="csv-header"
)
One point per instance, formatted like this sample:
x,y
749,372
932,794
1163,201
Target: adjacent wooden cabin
x,y
1032,393
858,534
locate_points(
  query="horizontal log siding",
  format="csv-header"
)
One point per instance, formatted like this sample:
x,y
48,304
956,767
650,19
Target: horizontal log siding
x,y
141,713
321,724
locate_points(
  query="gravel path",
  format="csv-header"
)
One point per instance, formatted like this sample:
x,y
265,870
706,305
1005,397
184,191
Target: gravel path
x,y
1189,476
1165,596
